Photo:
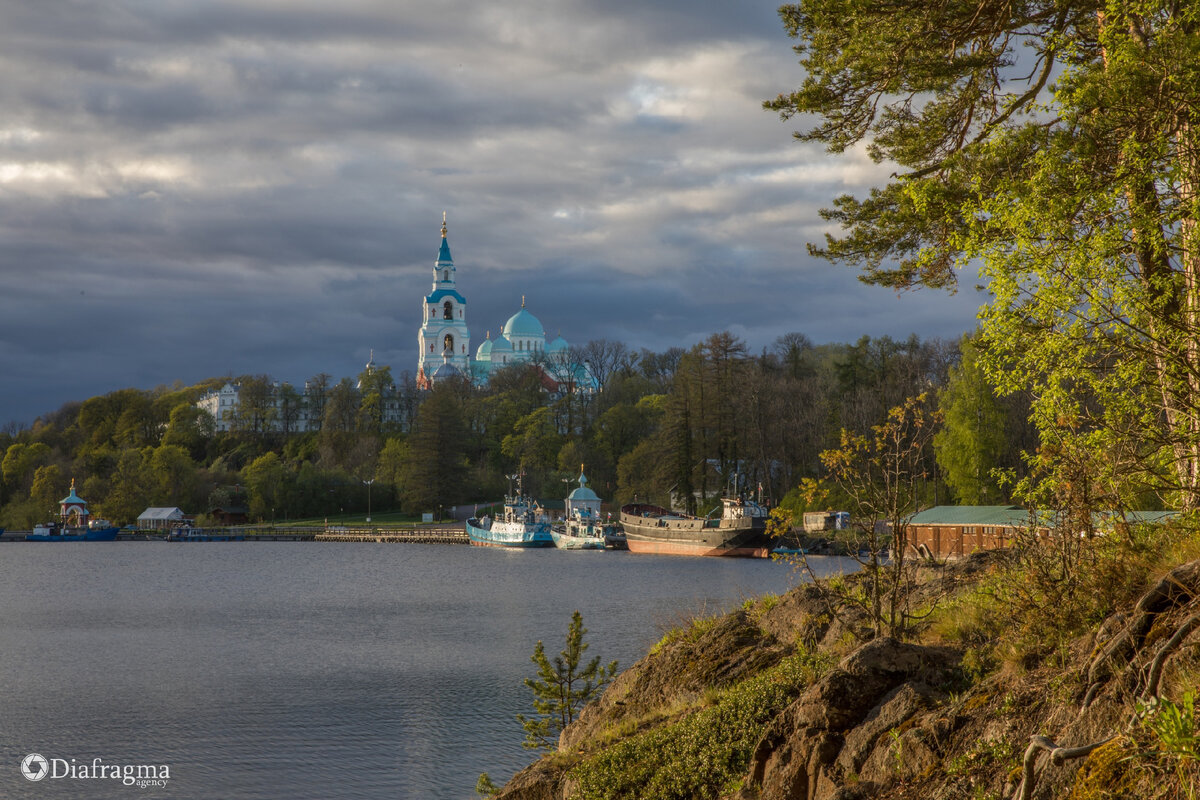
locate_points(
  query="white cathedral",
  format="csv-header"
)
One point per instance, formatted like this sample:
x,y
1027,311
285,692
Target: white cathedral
x,y
445,351
444,341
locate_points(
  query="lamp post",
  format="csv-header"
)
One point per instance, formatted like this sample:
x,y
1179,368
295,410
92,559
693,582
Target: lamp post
x,y
368,485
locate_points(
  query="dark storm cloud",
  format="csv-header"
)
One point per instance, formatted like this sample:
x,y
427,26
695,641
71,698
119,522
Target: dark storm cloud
x,y
196,189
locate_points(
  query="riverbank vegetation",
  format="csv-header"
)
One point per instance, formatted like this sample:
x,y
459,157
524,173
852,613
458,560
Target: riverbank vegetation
x,y
671,428
1035,674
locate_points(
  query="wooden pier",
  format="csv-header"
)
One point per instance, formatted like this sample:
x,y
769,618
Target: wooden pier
x,y
432,535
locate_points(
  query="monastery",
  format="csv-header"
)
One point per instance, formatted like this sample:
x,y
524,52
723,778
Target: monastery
x,y
444,347
444,340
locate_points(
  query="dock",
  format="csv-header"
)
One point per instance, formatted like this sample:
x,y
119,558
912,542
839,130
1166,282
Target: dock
x,y
428,535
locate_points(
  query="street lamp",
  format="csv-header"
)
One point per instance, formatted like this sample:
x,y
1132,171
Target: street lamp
x,y
368,485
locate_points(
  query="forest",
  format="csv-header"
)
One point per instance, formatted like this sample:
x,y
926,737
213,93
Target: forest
x,y
679,428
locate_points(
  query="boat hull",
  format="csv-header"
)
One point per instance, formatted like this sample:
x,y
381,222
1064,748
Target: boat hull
x,y
661,533
510,535
566,541
84,535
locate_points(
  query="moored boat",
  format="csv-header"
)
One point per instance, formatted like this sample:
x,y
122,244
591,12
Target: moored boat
x,y
740,531
189,534
53,532
582,528
74,525
522,523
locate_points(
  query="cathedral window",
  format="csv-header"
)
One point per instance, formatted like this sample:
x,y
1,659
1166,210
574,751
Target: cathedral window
x,y
448,343
448,310
446,275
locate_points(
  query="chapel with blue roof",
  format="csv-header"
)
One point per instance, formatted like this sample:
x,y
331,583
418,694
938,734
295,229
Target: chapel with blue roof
x,y
444,340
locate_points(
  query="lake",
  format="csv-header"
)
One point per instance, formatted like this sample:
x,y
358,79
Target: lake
x,y
311,670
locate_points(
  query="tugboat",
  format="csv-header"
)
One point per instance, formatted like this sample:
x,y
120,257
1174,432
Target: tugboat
x,y
522,523
741,530
583,529
74,524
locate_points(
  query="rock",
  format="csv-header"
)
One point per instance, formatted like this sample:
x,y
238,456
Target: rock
x,y
677,676
889,714
539,781
797,755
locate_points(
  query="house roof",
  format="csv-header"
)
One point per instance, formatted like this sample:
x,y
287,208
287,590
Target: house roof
x,y
1015,516
971,515
160,513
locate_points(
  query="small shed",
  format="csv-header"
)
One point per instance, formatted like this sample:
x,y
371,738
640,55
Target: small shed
x,y
231,515
161,518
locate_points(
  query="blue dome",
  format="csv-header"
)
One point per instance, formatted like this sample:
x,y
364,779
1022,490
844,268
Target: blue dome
x,y
501,345
583,493
446,370
557,345
485,350
523,323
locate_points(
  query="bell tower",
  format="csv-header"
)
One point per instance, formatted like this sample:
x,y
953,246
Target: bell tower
x,y
444,341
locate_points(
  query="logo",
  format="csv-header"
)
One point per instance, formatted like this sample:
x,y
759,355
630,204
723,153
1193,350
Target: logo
x,y
34,767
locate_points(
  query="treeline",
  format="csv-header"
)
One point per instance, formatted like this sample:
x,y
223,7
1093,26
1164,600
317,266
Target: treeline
x,y
679,427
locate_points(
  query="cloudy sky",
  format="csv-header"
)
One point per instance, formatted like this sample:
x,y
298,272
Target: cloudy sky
x,y
195,188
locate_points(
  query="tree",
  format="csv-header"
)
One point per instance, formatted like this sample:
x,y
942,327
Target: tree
x,y
561,688
434,466
973,441
883,475
1078,197
264,481
603,357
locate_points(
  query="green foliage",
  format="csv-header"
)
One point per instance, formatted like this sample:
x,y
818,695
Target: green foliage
x,y
484,786
704,755
1077,197
669,427
884,474
562,687
973,440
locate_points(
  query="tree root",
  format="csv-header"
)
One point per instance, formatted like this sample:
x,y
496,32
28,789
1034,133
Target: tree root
x,y
1180,585
1058,755
1160,658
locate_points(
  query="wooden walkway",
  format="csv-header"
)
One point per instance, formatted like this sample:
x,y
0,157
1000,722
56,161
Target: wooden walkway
x,y
435,535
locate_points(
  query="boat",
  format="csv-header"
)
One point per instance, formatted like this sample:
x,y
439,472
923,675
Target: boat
x,y
741,530
189,534
522,523
74,525
583,528
54,532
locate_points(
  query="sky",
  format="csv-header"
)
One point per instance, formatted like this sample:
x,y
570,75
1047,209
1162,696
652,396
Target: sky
x,y
200,188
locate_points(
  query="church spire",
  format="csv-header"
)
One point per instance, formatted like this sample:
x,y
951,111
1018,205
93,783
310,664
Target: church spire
x,y
444,229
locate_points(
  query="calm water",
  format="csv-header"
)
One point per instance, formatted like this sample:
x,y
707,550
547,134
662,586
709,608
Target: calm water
x,y
309,670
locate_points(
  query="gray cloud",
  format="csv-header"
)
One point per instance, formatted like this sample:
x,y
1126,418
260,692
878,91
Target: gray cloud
x,y
199,189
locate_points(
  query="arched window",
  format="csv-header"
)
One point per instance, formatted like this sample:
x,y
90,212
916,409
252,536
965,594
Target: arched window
x,y
448,310
446,275
448,343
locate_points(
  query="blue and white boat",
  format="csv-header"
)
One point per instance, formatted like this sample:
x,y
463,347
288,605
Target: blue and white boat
x,y
583,528
522,523
74,525
190,534
96,531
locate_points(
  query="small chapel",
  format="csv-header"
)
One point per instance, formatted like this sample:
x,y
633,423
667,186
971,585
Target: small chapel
x,y
444,339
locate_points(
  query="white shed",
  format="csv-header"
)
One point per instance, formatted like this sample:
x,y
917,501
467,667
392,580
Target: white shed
x,y
160,518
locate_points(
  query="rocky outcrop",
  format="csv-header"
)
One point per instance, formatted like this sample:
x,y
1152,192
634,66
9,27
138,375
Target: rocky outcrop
x,y
893,719
673,680
835,728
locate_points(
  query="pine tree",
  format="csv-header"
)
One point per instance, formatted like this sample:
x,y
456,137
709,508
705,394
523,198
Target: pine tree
x,y
561,689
